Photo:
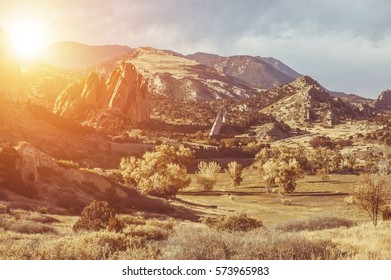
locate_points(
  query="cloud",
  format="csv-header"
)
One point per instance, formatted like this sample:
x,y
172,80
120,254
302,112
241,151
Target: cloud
x,y
322,38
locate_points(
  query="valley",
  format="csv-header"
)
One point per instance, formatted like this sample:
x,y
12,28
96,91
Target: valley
x,y
113,156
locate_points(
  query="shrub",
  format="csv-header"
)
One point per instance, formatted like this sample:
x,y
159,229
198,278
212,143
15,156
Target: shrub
x,y
30,227
315,223
203,245
240,222
206,175
286,201
322,141
94,216
3,208
37,217
349,200
68,164
254,245
115,224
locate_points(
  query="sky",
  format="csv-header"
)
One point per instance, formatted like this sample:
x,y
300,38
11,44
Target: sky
x,y
344,44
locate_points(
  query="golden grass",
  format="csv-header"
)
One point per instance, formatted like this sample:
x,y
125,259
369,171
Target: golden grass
x,y
363,242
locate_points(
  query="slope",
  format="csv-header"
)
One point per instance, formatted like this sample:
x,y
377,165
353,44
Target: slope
x,y
305,101
248,70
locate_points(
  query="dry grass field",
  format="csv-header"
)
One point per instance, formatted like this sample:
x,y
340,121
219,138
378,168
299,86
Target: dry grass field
x,y
313,223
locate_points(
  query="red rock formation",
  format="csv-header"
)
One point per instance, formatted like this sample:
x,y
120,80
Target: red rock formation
x,y
126,91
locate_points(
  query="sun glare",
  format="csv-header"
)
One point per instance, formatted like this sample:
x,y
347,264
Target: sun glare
x,y
28,37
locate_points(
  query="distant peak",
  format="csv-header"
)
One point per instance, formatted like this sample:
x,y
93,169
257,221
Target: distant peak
x,y
307,80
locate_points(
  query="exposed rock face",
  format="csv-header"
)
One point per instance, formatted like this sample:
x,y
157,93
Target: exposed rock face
x,y
274,131
31,159
126,91
218,124
383,102
247,70
304,100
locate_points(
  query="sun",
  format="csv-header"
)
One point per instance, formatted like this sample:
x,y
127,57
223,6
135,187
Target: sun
x,y
28,37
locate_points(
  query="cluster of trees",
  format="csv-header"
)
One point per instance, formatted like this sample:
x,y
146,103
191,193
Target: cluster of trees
x,y
162,172
281,167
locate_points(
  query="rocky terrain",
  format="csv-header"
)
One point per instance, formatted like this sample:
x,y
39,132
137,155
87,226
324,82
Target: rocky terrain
x,y
383,102
305,101
254,72
70,129
125,93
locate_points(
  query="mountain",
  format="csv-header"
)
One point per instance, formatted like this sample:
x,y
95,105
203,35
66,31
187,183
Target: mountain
x,y
305,100
74,55
383,102
250,71
278,65
124,94
173,75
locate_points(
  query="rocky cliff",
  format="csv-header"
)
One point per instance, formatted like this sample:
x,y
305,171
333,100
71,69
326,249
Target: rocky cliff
x,y
125,91
250,71
383,102
306,101
128,92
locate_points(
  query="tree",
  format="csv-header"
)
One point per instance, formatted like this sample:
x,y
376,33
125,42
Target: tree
x,y
323,162
206,175
235,172
372,194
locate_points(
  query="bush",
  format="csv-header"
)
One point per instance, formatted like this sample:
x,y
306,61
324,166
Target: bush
x,y
315,223
3,208
30,227
240,222
255,245
95,216
322,141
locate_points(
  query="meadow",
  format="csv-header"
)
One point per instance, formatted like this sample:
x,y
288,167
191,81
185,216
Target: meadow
x,y
315,222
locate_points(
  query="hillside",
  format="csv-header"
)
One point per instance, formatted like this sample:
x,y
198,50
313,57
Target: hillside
x,y
305,101
251,71
280,66
173,75
383,102
74,55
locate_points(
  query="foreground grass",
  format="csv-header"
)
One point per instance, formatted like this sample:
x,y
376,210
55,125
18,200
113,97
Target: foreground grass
x,y
168,239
